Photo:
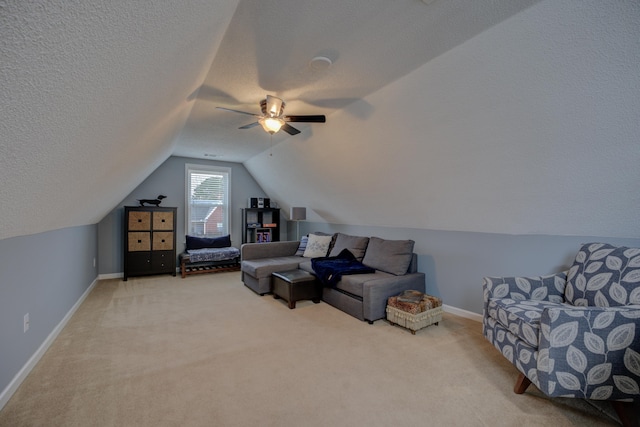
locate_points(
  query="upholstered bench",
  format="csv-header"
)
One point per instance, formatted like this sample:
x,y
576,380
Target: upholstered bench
x,y
208,255
414,310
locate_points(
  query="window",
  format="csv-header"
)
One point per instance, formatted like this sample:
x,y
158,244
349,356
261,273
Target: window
x,y
207,200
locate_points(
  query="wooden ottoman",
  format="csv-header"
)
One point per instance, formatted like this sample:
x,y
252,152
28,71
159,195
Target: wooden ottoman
x,y
295,285
414,310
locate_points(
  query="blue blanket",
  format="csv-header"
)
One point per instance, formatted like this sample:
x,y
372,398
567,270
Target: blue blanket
x,y
330,270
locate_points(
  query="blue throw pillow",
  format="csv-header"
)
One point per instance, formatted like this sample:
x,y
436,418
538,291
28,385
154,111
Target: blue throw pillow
x,y
302,246
206,242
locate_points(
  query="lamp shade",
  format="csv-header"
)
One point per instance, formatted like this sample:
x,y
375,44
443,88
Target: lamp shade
x,y
298,214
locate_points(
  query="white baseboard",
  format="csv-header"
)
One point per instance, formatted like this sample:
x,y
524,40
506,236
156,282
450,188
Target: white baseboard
x,y
462,313
35,358
119,275
110,276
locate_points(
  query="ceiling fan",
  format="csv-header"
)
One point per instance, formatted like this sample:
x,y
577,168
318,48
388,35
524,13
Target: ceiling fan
x,y
272,118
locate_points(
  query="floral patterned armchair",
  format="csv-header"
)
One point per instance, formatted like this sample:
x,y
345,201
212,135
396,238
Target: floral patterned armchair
x,y
575,333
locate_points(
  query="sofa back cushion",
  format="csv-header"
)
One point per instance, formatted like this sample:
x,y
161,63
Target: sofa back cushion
x,y
604,275
355,244
391,256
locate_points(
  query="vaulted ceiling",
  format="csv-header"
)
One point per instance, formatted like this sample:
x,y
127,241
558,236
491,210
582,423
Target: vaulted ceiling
x,y
269,46
456,103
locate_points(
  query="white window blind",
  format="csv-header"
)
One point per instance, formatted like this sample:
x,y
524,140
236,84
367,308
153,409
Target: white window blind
x,y
207,200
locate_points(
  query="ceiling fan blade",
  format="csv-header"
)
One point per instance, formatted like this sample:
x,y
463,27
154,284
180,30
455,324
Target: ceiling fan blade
x,y
306,119
249,126
290,129
238,111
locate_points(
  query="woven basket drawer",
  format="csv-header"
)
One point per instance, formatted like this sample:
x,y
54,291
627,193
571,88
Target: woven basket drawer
x,y
163,220
162,240
139,220
139,241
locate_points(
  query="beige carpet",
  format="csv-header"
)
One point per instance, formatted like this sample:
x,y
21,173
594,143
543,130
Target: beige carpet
x,y
207,351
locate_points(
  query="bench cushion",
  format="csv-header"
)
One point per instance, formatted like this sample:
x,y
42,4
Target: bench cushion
x,y
210,254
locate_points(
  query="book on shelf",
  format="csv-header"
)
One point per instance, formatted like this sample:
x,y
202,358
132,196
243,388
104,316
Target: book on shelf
x,y
270,224
263,236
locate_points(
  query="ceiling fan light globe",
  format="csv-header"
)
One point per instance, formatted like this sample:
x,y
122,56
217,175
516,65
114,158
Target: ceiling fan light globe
x,y
271,124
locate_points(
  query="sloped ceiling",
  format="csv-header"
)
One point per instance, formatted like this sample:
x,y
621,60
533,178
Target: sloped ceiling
x,y
93,95
516,116
528,128
270,43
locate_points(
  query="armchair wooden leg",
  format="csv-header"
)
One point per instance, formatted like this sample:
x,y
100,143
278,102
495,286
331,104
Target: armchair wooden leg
x,y
628,412
521,384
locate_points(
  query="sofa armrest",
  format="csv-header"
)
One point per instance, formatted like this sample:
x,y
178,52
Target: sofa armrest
x,y
590,352
268,250
539,288
375,293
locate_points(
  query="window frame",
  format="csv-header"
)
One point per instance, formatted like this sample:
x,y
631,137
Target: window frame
x,y
207,169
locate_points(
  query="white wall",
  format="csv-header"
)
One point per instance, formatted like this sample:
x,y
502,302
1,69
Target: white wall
x,y
531,127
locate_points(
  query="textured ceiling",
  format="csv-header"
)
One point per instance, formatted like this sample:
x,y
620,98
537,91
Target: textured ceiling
x,y
269,44
93,96
96,95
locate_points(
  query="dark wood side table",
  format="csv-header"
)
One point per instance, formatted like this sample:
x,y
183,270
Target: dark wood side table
x,y
296,285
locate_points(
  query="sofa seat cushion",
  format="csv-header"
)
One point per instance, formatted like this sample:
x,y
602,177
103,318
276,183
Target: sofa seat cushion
x,y
351,284
305,264
354,284
521,318
263,267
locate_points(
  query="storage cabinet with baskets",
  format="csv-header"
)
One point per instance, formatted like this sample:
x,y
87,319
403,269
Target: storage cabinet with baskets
x,y
149,241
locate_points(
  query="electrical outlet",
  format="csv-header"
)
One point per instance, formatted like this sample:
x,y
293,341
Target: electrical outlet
x,y
26,322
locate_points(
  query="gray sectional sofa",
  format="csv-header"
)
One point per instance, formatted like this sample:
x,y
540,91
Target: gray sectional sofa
x,y
363,296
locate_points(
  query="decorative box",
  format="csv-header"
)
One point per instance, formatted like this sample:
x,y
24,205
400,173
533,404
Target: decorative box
x,y
414,310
